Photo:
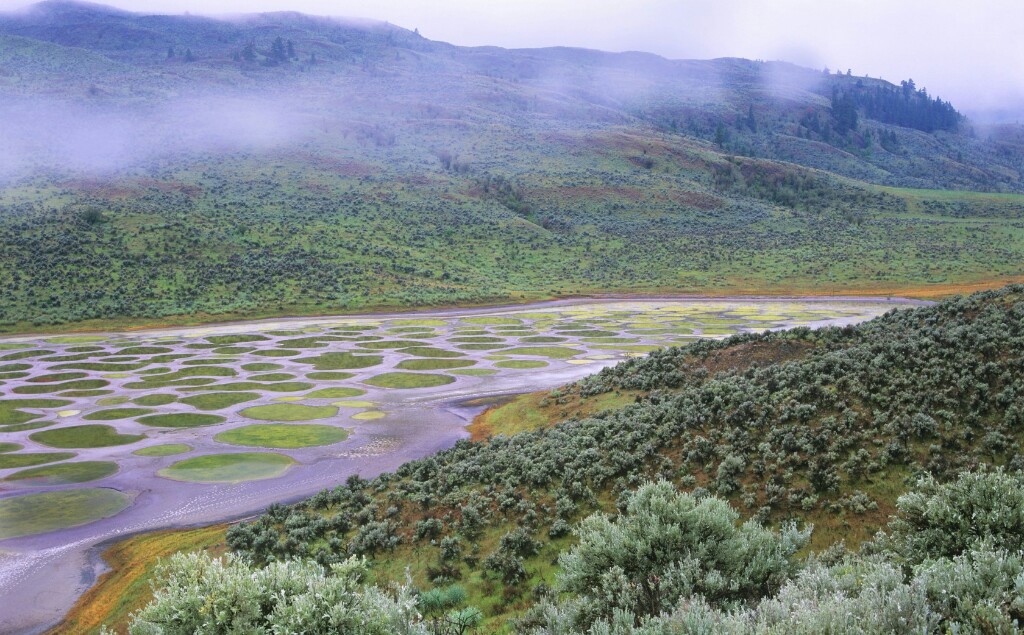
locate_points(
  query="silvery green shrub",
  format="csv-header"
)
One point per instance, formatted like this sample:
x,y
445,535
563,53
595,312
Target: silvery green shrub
x,y
952,562
944,520
195,594
668,545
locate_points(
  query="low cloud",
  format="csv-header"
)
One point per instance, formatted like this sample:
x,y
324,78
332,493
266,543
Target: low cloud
x,y
968,53
42,134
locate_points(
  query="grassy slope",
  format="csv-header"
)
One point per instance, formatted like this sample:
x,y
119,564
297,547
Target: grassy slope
x,y
125,588
155,259
533,411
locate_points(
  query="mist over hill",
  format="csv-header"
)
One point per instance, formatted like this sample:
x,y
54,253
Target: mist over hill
x,y
155,77
158,166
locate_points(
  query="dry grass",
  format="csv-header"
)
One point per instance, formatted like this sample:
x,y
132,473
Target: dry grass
x,y
536,410
125,588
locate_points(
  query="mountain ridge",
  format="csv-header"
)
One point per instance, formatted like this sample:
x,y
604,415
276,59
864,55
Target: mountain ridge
x,y
143,40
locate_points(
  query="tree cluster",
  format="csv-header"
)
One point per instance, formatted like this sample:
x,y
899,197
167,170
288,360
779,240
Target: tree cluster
x,y
905,106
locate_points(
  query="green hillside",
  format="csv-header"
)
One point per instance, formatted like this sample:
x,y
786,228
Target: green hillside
x,y
172,169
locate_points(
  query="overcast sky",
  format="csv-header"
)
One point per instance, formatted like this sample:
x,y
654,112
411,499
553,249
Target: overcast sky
x,y
971,52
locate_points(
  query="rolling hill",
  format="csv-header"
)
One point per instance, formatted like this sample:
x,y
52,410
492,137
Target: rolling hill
x,y
178,168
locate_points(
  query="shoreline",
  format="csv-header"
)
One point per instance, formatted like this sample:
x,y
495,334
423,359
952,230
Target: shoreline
x,y
447,311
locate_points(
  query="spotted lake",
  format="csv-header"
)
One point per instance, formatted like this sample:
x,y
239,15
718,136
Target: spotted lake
x,y
104,435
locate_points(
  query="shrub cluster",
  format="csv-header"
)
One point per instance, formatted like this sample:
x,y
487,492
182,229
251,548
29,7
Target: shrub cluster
x,y
931,573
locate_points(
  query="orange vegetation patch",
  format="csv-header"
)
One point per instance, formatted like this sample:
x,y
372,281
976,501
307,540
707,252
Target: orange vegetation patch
x,y
941,290
744,287
679,152
332,165
129,189
494,420
699,200
750,354
101,189
595,192
125,588
696,199
188,189
536,410
768,170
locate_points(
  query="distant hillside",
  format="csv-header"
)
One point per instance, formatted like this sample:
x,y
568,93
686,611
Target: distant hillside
x,y
774,110
165,166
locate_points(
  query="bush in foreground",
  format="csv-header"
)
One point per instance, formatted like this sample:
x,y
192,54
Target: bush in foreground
x,y
197,594
952,563
669,563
